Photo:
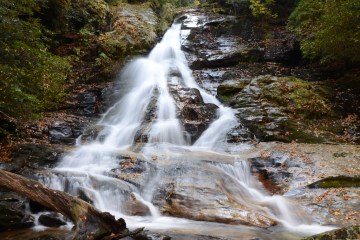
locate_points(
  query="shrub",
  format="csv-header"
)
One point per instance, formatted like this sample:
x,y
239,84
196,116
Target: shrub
x,y
329,30
31,77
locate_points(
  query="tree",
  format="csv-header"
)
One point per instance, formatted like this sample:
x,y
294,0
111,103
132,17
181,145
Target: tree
x,y
31,77
262,8
328,30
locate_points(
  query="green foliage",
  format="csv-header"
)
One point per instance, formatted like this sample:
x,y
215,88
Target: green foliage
x,y
165,10
73,15
31,78
329,30
167,14
261,8
89,14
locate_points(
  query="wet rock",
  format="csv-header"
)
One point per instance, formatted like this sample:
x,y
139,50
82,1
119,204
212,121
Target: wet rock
x,y
230,88
141,135
135,207
87,103
85,100
51,220
209,205
108,95
216,60
135,170
203,197
245,49
91,133
34,156
61,133
12,211
273,171
350,232
195,115
83,196
14,165
264,119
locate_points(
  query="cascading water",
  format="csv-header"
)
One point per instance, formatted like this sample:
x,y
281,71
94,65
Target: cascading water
x,y
88,171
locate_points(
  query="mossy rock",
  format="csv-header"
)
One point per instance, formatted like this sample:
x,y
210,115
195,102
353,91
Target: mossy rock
x,y
346,233
337,182
302,98
284,109
228,89
133,31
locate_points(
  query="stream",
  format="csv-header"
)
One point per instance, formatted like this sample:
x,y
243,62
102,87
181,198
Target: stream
x,y
144,167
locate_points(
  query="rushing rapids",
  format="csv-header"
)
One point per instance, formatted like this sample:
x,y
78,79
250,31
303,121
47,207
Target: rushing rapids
x,y
92,170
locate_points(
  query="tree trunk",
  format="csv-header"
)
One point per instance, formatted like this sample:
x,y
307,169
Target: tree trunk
x,y
89,223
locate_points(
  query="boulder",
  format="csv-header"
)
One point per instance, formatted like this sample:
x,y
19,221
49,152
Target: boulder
x,y
51,220
13,214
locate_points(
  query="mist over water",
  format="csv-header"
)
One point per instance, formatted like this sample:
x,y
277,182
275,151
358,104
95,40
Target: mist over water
x,y
87,171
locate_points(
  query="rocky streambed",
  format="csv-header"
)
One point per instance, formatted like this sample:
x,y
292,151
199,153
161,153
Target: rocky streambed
x,y
255,71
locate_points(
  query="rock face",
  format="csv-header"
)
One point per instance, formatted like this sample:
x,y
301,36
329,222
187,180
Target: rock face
x,y
260,71
264,119
283,109
227,52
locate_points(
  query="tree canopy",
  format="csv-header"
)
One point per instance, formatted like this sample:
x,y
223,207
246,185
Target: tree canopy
x,y
328,30
31,77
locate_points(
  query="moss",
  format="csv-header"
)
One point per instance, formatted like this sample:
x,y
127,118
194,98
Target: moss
x,y
337,182
350,232
226,91
299,97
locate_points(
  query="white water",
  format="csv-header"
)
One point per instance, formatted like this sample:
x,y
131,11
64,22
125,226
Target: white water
x,y
87,170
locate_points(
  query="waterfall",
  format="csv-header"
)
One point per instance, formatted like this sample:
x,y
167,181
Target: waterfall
x,y
87,171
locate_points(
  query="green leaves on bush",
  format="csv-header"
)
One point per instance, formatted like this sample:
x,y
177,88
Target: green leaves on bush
x,y
329,30
31,77
262,8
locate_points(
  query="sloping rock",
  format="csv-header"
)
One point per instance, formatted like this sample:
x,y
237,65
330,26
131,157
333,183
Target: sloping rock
x,y
290,168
